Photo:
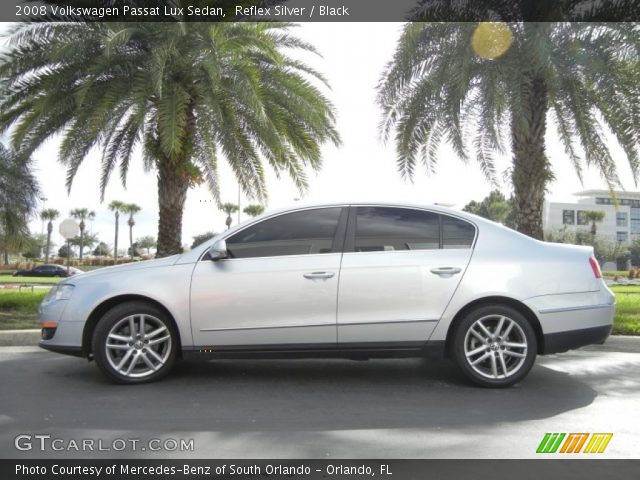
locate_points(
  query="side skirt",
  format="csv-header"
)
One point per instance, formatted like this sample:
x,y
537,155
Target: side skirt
x,y
355,351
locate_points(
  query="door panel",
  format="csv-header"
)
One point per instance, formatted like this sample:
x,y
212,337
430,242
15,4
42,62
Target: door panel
x,y
265,301
279,286
394,296
403,269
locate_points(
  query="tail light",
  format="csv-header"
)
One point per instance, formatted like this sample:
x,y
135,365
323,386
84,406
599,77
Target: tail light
x,y
595,267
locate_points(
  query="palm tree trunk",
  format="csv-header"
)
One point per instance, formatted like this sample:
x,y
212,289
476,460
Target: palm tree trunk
x,y
81,240
531,169
115,241
131,240
49,230
172,193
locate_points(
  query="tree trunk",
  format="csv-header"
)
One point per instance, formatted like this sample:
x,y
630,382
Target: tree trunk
x,y
531,169
115,242
49,230
172,193
82,226
131,239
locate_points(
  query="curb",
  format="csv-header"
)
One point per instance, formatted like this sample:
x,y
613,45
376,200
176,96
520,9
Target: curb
x,y
615,343
19,338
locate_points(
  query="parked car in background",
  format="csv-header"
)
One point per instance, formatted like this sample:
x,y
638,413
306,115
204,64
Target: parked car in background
x,y
344,280
48,271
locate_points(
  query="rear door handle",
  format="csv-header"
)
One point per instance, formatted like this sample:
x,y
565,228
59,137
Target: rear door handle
x,y
318,275
446,271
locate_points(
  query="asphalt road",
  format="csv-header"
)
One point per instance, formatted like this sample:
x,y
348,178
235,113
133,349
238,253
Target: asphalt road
x,y
319,408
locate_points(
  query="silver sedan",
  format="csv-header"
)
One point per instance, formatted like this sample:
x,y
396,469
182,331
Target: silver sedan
x,y
345,280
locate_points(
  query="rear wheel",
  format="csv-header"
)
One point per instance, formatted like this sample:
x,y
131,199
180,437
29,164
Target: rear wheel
x,y
495,346
135,342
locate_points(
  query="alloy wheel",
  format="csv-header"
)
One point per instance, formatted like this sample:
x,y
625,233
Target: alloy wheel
x,y
495,347
138,345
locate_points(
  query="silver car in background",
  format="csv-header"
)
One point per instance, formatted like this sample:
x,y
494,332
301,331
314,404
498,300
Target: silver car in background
x,y
345,280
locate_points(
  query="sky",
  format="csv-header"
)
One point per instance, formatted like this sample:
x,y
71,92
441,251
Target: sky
x,y
362,168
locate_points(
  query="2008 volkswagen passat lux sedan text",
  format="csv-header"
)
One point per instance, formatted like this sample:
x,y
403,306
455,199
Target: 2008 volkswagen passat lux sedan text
x,y
346,280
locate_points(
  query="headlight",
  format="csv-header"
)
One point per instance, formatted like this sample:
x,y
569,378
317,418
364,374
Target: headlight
x,y
59,292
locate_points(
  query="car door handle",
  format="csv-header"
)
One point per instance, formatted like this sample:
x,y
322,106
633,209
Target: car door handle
x,y
446,271
318,275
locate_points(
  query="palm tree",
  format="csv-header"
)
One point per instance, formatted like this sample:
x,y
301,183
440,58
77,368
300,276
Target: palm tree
x,y
131,209
188,93
88,240
18,200
489,87
116,207
594,216
49,215
229,209
253,210
82,214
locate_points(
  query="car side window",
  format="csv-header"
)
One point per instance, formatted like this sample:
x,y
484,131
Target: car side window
x,y
457,233
298,233
386,229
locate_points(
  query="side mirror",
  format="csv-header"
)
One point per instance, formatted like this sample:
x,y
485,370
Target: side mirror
x,y
218,251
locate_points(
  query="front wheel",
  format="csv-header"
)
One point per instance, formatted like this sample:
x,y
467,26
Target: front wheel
x,y
135,342
495,346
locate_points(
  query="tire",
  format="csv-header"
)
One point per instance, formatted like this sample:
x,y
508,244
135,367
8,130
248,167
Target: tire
x,y
150,356
480,353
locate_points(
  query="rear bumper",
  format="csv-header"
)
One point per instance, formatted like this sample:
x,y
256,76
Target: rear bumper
x,y
563,341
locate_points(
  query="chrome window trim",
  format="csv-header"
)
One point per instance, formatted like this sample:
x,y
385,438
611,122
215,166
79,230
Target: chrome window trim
x,y
349,206
278,214
426,209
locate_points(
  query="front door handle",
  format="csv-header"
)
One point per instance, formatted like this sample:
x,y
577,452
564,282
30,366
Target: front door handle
x,y
446,271
318,275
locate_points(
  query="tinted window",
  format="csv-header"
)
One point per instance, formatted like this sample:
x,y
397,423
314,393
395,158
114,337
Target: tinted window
x,y
457,233
386,229
299,233
568,217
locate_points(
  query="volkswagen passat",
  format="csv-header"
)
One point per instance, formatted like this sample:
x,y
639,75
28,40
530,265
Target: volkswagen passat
x,y
352,281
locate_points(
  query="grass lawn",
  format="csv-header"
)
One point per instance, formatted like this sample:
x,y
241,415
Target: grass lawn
x,y
627,321
4,279
618,273
19,309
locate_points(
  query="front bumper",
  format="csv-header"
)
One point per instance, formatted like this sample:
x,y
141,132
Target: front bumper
x,y
58,335
66,350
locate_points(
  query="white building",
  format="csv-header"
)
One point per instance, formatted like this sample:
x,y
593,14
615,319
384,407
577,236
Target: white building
x,y
621,222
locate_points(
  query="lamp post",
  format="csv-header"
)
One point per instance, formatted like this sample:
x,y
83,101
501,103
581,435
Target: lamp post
x,y
68,229
239,192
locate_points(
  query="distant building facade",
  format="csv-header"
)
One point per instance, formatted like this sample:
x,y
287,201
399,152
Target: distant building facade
x,y
620,223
